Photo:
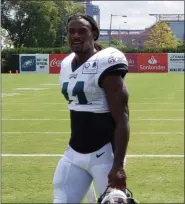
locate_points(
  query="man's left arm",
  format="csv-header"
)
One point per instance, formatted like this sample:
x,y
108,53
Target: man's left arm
x,y
117,98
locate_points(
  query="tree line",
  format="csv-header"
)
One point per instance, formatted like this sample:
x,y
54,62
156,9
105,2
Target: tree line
x,y
42,24
161,37
37,23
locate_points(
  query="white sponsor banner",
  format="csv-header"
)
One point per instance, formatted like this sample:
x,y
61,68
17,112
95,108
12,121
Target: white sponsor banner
x,y
175,62
34,63
42,63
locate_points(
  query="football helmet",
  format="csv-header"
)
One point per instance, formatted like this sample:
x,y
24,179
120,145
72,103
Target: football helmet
x,y
116,196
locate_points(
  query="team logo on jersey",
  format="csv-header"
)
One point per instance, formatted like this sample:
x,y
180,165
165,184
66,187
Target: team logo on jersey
x,y
90,67
73,76
87,65
113,60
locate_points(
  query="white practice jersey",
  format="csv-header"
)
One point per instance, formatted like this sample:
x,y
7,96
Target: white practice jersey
x,y
81,87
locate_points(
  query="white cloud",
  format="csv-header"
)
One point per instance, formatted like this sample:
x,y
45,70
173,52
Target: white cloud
x,y
137,12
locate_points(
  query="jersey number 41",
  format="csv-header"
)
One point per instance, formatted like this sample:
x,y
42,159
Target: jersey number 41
x,y
78,91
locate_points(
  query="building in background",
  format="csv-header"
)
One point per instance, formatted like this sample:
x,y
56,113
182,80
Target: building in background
x,y
136,40
91,10
175,22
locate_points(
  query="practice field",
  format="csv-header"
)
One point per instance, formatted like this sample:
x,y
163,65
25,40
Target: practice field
x,y
35,132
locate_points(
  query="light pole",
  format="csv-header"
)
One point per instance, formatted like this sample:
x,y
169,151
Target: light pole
x,y
111,25
120,30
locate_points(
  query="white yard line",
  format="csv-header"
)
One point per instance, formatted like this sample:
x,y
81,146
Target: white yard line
x,y
145,110
60,155
50,84
161,98
157,133
65,119
49,133
135,133
162,119
36,110
156,110
42,119
25,95
52,103
17,103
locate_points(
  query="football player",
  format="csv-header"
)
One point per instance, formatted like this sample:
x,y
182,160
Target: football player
x,y
92,81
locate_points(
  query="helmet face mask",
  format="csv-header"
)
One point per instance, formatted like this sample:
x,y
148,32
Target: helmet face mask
x,y
116,196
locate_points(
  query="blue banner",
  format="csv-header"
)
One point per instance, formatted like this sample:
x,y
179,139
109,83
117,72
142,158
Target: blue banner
x,y
28,63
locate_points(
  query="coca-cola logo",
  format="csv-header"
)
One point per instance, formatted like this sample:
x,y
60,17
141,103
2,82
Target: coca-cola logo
x,y
55,63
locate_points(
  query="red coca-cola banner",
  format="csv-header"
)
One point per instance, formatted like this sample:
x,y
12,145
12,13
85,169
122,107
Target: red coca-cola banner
x,y
132,62
55,62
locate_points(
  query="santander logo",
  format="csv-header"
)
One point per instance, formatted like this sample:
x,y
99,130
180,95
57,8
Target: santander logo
x,y
130,61
55,63
152,60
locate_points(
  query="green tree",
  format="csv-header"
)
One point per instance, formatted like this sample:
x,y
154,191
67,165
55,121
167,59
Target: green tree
x,y
117,44
65,10
6,41
161,37
180,44
30,23
103,43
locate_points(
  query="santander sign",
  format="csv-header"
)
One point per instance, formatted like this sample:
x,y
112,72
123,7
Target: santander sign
x,y
152,62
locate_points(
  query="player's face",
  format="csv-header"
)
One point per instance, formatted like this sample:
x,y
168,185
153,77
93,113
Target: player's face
x,y
80,36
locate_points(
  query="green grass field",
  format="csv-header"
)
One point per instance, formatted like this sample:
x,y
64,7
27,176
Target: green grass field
x,y
31,124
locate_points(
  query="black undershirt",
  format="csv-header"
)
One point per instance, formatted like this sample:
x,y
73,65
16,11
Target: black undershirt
x,y
91,131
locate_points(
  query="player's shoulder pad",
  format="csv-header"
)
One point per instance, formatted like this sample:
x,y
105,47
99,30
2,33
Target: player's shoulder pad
x,y
67,60
112,56
111,59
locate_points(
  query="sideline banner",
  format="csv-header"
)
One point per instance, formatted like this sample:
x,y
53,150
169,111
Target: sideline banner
x,y
132,62
152,62
42,63
54,62
176,62
34,63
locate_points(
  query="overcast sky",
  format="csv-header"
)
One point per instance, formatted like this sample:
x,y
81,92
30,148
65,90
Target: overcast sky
x,y
136,12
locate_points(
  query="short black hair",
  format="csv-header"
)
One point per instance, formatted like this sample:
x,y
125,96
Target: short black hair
x,y
89,19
